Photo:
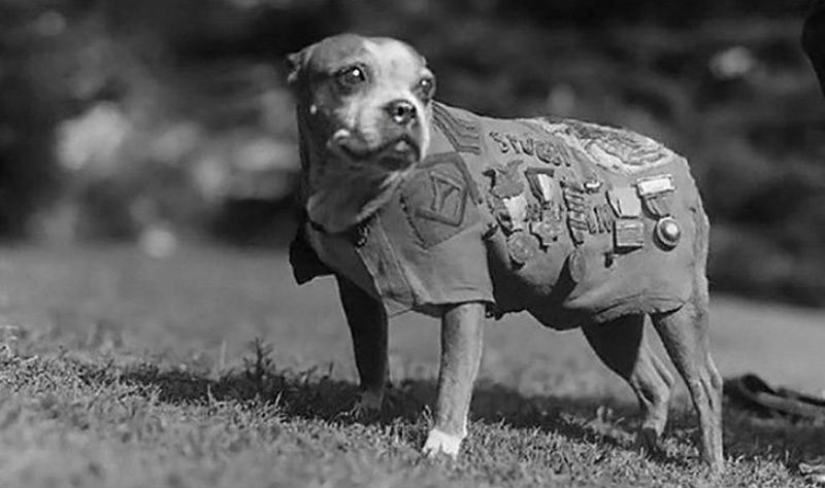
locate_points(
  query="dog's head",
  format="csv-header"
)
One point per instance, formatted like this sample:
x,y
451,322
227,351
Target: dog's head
x,y
363,116
364,100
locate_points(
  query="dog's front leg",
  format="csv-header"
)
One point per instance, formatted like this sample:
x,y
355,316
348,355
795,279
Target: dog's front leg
x,y
462,333
367,321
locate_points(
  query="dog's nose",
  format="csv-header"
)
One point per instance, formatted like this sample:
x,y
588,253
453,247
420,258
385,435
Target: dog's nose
x,y
401,111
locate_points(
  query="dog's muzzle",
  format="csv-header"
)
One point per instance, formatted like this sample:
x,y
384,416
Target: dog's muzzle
x,y
396,154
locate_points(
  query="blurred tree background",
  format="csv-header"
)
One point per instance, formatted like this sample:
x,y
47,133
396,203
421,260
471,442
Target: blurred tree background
x,y
165,118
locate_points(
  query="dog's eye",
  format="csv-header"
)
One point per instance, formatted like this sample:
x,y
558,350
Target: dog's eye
x,y
426,88
351,77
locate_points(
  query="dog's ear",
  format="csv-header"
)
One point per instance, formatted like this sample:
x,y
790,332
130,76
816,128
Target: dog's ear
x,y
294,61
295,64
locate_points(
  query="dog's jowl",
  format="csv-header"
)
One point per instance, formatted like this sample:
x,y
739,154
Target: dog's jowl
x,y
415,205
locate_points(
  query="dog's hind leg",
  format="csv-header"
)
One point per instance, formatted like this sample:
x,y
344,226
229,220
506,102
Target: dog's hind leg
x,y
623,347
367,321
685,336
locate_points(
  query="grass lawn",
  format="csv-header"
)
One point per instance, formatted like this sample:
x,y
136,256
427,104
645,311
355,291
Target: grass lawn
x,y
212,369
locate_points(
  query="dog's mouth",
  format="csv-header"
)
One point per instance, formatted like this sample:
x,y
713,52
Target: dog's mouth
x,y
396,154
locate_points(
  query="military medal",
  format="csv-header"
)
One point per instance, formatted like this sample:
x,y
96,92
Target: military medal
x,y
629,233
550,227
516,210
604,218
508,200
576,266
576,202
624,201
592,185
668,232
541,183
657,194
522,246
548,231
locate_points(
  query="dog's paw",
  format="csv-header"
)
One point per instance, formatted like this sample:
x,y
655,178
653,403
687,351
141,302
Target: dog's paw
x,y
441,443
369,403
649,442
367,406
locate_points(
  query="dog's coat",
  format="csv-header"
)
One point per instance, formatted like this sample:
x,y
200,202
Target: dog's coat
x,y
525,214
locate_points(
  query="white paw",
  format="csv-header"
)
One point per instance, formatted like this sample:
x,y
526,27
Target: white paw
x,y
441,443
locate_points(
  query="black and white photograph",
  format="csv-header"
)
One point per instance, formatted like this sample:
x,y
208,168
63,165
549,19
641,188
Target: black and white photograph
x,y
412,243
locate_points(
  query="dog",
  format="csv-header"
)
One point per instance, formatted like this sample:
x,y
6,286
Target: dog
x,y
415,205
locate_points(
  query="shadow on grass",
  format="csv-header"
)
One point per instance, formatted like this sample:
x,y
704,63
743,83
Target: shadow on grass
x,y
313,395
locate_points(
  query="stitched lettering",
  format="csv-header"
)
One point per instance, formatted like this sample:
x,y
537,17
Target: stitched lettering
x,y
503,146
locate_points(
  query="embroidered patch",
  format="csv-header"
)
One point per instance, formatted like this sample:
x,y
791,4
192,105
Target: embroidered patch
x,y
617,150
464,135
543,150
448,200
435,198
502,144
